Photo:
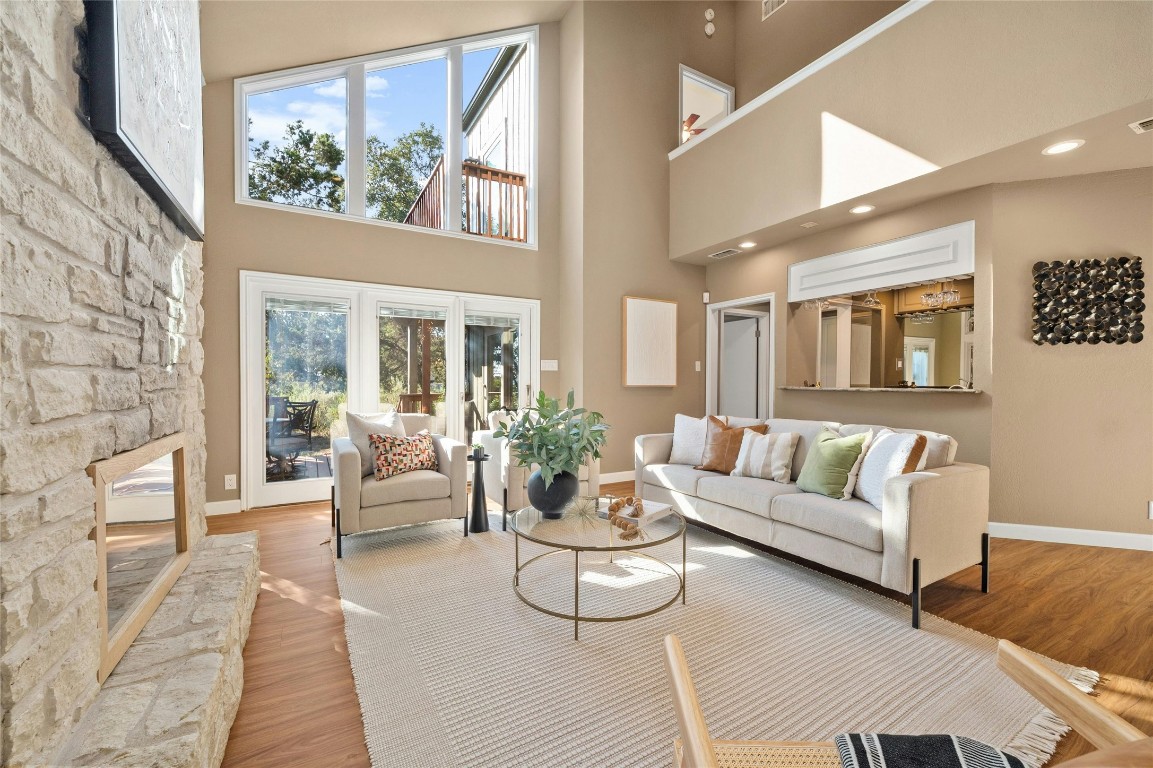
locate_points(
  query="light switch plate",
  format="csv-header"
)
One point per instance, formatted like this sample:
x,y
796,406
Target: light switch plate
x,y
549,365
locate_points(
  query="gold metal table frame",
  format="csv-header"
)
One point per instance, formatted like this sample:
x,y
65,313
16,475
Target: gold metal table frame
x,y
612,546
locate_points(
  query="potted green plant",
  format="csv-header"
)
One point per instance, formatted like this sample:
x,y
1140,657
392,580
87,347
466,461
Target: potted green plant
x,y
557,441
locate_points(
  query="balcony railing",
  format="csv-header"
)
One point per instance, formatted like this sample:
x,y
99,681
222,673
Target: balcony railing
x,y
494,202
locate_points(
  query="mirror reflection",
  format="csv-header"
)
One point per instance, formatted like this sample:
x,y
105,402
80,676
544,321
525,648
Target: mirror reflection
x,y
140,534
918,336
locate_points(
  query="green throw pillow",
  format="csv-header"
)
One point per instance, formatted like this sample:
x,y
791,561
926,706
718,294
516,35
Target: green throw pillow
x,y
831,458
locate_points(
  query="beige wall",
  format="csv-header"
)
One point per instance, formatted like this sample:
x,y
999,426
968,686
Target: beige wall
x,y
793,37
1072,425
246,237
631,57
1067,430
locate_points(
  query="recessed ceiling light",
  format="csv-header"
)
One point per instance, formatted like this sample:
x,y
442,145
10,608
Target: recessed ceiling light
x,y
862,209
809,224
1061,147
748,244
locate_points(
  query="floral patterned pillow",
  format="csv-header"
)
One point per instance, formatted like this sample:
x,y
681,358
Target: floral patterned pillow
x,y
397,455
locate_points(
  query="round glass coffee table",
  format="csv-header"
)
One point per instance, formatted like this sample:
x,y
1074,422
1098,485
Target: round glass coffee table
x,y
581,534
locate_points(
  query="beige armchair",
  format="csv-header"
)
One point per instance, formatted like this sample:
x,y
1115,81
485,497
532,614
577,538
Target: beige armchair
x,y
506,480
363,503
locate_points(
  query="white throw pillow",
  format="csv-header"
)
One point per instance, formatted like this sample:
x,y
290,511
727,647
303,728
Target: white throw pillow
x,y
855,472
689,437
890,454
361,425
769,457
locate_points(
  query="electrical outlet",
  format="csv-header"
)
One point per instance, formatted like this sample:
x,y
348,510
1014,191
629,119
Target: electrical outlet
x,y
230,482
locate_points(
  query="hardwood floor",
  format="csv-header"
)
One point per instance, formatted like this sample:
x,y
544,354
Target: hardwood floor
x,y
1087,606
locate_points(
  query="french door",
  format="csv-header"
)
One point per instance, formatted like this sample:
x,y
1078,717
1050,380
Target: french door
x,y
313,348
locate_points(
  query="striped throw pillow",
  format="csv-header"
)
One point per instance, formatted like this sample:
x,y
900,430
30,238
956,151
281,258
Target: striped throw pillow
x,y
767,456
397,455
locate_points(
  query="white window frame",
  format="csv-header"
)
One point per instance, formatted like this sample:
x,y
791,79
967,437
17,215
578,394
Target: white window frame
x,y
353,70
729,92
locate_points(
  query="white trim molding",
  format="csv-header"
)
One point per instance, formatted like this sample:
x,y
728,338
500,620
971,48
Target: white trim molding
x,y
617,477
712,353
228,507
1142,542
926,257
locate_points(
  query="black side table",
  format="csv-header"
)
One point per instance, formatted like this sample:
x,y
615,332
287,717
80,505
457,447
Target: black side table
x,y
478,521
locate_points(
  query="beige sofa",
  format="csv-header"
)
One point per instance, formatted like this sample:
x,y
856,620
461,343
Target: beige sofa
x,y
363,503
932,523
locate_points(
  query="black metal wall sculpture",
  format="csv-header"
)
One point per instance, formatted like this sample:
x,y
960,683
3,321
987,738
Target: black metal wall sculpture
x,y
1088,301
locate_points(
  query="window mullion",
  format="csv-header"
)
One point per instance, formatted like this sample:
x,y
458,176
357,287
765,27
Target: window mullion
x,y
357,183
453,149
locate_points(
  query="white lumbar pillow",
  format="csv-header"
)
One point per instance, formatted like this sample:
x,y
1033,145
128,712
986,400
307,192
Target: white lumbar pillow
x,y
689,436
361,425
890,454
767,456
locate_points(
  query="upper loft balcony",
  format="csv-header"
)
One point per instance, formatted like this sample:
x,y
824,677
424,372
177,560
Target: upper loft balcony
x,y
494,202
930,100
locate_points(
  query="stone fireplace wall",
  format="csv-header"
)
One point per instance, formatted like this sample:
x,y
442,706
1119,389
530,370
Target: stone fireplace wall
x,y
100,322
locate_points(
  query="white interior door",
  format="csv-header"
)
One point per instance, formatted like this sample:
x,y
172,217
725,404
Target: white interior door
x,y
740,365
921,360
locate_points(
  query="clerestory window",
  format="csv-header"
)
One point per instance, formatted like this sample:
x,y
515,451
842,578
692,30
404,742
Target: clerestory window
x,y
441,137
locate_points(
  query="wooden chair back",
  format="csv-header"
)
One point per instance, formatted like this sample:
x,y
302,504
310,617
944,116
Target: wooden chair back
x,y
1099,726
696,746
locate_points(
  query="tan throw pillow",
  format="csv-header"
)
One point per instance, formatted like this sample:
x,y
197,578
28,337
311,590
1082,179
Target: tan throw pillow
x,y
769,457
723,445
397,455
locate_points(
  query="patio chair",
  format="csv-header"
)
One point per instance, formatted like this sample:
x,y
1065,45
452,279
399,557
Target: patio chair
x,y
291,434
696,749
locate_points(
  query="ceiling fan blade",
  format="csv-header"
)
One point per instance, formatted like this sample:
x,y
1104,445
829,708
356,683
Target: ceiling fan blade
x,y
690,120
696,131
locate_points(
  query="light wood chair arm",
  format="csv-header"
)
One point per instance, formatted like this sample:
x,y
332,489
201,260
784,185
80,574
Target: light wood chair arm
x,y
1083,714
696,747
1135,754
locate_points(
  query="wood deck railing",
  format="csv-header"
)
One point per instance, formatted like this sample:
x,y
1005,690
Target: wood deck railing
x,y
494,202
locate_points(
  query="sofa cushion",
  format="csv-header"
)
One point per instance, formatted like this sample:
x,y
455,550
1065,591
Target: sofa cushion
x,y
808,430
750,494
675,477
766,456
410,486
851,520
890,454
832,464
940,449
689,437
724,444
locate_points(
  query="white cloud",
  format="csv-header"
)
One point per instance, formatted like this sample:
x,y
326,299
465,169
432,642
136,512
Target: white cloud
x,y
268,125
375,85
334,89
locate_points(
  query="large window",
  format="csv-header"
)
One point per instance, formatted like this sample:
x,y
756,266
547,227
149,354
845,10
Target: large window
x,y
441,137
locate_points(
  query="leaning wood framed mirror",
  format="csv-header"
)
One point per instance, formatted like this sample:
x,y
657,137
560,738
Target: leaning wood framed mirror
x,y
141,538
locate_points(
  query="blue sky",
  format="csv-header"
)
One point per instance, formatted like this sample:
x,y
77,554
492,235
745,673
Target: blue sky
x,y
399,99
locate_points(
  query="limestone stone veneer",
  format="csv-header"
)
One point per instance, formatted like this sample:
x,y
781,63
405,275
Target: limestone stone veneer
x,y
172,698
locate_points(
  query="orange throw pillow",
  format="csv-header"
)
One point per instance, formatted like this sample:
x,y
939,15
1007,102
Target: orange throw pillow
x,y
723,445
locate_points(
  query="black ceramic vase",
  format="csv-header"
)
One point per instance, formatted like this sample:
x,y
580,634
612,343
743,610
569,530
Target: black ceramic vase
x,y
552,501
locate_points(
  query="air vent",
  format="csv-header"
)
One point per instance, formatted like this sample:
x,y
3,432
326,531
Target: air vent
x,y
1142,126
724,254
769,7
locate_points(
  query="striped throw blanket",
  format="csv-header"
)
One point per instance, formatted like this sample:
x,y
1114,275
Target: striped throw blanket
x,y
878,750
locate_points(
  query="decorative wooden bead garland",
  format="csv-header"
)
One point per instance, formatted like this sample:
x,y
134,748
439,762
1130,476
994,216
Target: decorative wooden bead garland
x,y
629,529
1088,301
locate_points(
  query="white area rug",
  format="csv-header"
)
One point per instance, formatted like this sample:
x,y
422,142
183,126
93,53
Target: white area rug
x,y
453,670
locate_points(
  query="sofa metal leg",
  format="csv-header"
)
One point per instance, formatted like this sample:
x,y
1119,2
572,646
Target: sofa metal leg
x,y
336,520
465,518
915,595
985,563
334,506
504,511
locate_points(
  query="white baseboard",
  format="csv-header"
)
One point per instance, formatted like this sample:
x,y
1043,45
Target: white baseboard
x,y
230,507
1087,538
617,477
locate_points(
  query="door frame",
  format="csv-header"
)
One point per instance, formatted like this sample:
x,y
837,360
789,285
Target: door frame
x,y
931,343
768,366
363,366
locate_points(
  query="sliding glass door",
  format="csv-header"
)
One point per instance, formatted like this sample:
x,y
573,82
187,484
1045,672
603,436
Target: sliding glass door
x,y
313,348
